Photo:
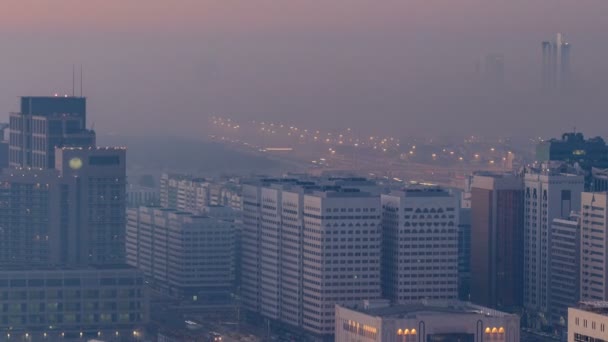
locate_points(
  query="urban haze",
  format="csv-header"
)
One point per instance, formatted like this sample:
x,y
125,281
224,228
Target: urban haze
x,y
339,170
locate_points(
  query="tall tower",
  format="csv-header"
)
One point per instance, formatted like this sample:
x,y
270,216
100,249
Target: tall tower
x,y
410,219
43,123
549,194
594,237
556,71
496,240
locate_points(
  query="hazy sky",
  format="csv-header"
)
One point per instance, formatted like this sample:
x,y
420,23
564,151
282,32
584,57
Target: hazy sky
x,y
402,67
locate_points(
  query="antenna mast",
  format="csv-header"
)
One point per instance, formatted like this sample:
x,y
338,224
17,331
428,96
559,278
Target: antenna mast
x,y
81,80
73,80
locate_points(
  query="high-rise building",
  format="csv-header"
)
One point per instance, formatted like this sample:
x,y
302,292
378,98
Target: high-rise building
x,y
594,246
420,245
564,267
588,322
549,194
576,151
164,242
62,230
192,194
497,202
183,192
3,146
556,70
491,71
71,215
306,246
43,124
464,254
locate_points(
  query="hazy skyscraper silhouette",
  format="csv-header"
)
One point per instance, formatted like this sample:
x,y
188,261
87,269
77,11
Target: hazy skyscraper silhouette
x,y
556,71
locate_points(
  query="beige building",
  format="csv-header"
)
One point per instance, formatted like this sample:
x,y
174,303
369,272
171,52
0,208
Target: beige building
x,y
588,322
594,246
420,244
430,321
305,247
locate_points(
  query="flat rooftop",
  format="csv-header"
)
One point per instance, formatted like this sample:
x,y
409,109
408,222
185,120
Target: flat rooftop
x,y
431,308
597,306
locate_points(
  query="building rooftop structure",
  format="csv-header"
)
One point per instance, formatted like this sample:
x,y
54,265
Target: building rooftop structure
x,y
597,306
428,307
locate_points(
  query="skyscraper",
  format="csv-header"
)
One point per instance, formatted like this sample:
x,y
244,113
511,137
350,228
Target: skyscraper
x,y
594,246
43,124
72,215
416,221
549,194
496,240
556,71
565,267
576,151
308,245
62,230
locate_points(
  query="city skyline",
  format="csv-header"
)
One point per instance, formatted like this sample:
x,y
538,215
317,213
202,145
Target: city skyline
x,y
266,61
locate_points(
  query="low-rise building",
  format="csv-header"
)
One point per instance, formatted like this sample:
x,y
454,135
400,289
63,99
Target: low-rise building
x,y
588,322
430,321
53,304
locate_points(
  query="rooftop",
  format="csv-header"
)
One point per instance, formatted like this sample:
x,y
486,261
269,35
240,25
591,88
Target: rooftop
x,y
598,307
431,308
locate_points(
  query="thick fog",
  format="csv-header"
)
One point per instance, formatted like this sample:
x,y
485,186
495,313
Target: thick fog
x,y
155,67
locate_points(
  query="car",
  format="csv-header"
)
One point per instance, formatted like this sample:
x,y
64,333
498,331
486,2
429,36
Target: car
x,y
214,337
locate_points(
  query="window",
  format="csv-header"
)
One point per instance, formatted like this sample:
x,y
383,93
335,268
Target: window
x,y
104,160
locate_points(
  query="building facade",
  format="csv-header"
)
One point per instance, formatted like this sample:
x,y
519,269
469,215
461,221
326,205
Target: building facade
x,y
564,267
588,322
549,194
307,246
182,254
464,254
70,215
420,245
497,202
49,304
43,124
594,245
430,321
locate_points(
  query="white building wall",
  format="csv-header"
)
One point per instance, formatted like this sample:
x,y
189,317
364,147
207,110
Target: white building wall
x,y
420,245
594,246
548,196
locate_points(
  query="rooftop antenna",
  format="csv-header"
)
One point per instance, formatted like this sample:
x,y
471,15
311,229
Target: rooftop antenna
x,y
73,80
81,80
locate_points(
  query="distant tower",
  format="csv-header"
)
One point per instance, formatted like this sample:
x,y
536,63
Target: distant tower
x,y
495,70
490,71
555,71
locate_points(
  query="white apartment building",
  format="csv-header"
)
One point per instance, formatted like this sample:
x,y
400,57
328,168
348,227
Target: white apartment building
x,y
549,194
420,245
565,267
306,247
183,192
185,255
594,246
